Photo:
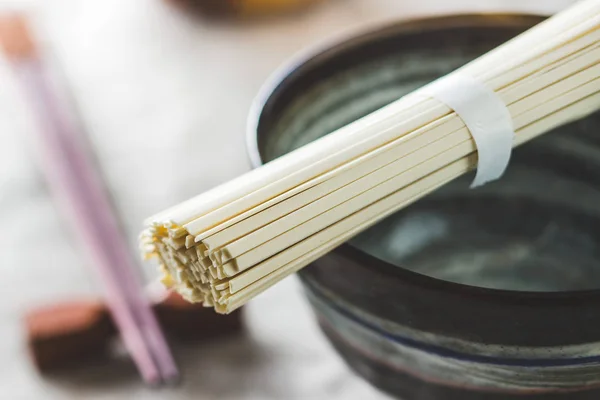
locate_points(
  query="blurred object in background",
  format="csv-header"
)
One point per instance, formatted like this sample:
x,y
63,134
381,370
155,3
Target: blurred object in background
x,y
187,322
72,334
243,8
67,334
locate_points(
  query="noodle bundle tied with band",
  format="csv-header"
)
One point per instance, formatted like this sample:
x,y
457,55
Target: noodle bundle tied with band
x,y
229,244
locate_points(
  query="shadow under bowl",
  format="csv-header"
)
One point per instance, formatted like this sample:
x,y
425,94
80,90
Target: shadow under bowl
x,y
467,294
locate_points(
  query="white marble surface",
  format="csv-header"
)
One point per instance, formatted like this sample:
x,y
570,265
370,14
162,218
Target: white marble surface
x,y
165,97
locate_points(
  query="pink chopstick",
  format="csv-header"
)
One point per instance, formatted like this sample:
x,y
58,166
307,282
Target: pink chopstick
x,y
79,187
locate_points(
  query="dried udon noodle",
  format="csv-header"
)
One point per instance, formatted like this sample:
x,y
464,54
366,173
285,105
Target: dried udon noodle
x,y
229,244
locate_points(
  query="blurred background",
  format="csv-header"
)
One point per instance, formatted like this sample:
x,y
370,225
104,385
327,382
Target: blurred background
x,y
164,91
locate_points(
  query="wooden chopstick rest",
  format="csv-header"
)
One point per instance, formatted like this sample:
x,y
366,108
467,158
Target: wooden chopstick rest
x,y
78,333
68,334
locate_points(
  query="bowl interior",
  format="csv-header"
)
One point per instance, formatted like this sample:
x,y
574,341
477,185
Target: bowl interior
x,y
536,229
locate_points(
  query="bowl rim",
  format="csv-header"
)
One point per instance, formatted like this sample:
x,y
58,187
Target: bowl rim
x,y
368,261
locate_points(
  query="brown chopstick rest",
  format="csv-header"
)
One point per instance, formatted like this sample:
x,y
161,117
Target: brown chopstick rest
x,y
78,333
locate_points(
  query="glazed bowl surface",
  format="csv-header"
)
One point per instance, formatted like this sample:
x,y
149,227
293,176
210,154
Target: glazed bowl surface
x,y
491,293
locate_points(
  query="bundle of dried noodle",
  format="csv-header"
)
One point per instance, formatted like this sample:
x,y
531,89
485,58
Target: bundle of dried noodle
x,y
229,244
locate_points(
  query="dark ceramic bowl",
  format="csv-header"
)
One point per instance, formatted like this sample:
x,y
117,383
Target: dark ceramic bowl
x,y
467,294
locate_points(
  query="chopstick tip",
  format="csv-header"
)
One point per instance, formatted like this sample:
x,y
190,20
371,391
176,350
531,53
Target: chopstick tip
x,y
16,39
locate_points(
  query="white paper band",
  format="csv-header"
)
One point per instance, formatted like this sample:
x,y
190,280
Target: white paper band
x,y
486,117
